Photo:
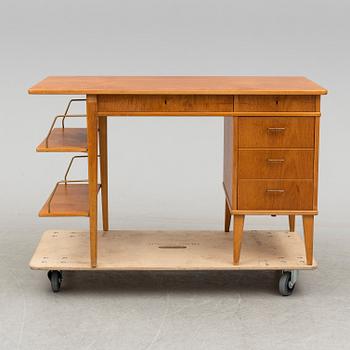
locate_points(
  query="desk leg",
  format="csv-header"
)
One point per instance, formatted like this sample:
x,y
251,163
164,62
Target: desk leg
x,y
92,121
308,223
104,170
291,223
238,223
227,217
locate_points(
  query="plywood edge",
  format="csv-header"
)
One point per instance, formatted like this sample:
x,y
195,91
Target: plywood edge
x,y
314,266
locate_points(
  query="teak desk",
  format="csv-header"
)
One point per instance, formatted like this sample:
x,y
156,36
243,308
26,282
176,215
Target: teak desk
x,y
271,141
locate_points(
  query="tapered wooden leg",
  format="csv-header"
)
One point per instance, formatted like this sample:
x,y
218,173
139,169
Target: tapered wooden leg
x,y
227,217
92,120
238,223
308,223
104,170
291,223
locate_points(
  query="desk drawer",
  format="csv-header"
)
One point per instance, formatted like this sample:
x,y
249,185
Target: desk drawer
x,y
276,132
275,164
164,103
275,103
275,194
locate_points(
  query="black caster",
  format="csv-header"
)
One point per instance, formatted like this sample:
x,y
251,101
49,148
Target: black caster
x,y
55,278
287,282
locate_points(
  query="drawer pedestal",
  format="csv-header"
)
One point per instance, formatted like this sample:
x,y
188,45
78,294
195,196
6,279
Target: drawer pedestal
x,y
271,162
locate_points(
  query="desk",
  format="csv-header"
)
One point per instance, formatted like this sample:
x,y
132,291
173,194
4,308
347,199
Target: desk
x,y
271,141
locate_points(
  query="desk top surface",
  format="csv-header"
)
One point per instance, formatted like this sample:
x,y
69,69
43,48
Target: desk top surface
x,y
177,85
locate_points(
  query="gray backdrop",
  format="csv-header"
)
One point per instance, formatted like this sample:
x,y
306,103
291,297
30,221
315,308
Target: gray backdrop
x,y
164,169
164,172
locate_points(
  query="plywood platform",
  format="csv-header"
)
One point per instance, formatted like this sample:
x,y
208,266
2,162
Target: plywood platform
x,y
170,250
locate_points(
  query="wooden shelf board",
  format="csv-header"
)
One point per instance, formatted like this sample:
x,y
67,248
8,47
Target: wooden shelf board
x,y
164,250
68,200
65,140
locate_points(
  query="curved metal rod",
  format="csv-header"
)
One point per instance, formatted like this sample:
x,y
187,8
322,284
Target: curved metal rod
x,y
49,133
68,106
70,165
65,181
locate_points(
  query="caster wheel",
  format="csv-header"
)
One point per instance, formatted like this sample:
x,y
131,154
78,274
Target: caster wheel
x,y
285,285
55,278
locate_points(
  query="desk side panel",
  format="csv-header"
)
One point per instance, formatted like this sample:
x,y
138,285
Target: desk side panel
x,y
229,161
316,153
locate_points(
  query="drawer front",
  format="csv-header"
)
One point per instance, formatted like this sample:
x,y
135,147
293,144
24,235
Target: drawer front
x,y
275,164
275,194
275,103
165,103
276,132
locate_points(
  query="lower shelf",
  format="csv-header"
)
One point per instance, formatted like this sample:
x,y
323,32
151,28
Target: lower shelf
x,y
70,199
170,250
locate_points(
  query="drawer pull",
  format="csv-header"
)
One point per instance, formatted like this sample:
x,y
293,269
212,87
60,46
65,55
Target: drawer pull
x,y
276,129
275,191
270,160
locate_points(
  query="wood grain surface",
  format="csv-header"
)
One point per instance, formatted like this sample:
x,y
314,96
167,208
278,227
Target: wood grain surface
x,y
65,140
201,85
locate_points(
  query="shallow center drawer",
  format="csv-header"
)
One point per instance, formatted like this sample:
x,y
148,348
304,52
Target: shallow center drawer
x,y
275,103
276,132
275,164
165,103
275,194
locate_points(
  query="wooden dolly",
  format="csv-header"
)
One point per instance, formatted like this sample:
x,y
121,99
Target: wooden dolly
x,y
270,168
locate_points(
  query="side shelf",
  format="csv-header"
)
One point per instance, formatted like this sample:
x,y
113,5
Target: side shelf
x,y
64,140
67,199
